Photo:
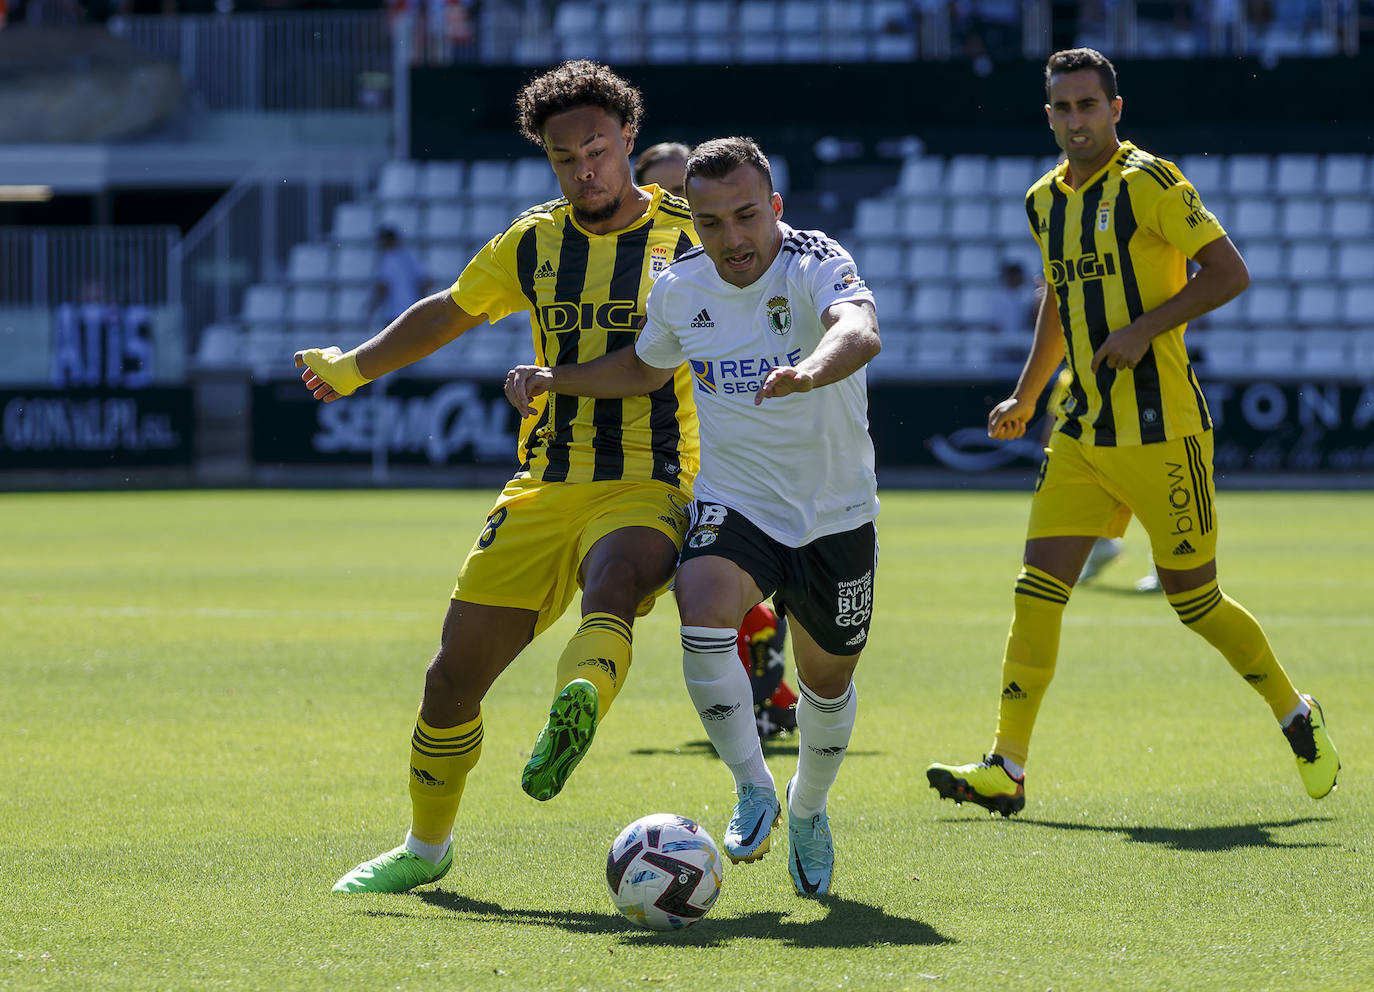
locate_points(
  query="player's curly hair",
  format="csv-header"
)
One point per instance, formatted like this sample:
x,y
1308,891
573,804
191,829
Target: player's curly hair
x,y
717,158
576,83
1074,59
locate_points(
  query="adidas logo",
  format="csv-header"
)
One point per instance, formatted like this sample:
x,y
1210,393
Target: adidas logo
x,y
858,638
720,711
1255,678
1184,548
425,777
544,271
703,319
1013,691
605,664
826,752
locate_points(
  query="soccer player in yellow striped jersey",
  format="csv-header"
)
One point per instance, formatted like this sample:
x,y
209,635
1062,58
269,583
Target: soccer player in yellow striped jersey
x,y
1116,227
601,497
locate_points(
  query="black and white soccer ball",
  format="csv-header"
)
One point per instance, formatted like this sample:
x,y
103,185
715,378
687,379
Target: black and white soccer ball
x,y
663,872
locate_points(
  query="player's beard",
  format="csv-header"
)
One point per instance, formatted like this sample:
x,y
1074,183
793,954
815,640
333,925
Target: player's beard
x,y
600,214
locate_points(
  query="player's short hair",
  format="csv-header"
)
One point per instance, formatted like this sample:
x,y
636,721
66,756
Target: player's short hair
x,y
661,152
1074,59
717,158
576,83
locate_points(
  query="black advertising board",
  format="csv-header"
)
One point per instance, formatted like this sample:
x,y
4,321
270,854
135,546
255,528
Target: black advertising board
x,y
95,428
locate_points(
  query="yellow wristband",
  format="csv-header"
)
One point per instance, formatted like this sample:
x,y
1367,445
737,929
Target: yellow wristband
x,y
340,372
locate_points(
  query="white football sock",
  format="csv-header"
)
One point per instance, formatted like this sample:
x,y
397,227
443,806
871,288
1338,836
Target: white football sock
x,y
720,690
433,853
823,728
1301,710
1012,768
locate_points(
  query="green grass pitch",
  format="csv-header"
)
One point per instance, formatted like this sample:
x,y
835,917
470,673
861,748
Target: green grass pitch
x,y
206,701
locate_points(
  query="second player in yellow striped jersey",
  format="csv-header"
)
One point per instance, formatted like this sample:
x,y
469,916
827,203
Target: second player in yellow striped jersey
x,y
1113,248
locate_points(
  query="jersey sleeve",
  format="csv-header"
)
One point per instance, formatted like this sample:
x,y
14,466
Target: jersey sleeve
x,y
836,279
1183,221
488,284
657,344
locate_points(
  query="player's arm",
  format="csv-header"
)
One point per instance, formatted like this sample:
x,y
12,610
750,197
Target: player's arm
x,y
1008,419
849,343
1220,278
620,373
422,330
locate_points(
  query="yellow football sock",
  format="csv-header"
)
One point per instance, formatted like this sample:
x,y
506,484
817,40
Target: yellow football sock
x,y
440,760
1230,628
1028,664
600,653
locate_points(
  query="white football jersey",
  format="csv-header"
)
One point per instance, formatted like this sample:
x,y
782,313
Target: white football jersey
x,y
800,466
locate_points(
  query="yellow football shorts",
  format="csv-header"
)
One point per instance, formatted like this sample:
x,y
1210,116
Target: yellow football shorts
x,y
530,553
1092,491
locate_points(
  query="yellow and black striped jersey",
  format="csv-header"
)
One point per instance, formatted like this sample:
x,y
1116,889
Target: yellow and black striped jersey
x,y
1113,248
586,294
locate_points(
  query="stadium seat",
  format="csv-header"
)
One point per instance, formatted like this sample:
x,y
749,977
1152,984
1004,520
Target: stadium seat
x,y
1253,217
1307,261
1225,350
221,345
571,17
1317,303
670,48
843,47
400,180
486,220
923,218
355,222
1266,304
1012,176
1010,222
1264,259
489,178
1274,350
621,19
976,262
1341,174
442,181
355,264
972,218
349,304
804,48
801,17
444,221
932,303
446,262
1230,314
974,304
1205,172
532,181
267,352
708,17
1362,352
757,17
1352,218
1248,174
967,175
928,260
1326,350
1357,304
881,261
581,46
1355,260
921,176
1302,217
875,218
311,263
1296,175
262,303
404,217
308,305
884,17
782,173
894,48
936,350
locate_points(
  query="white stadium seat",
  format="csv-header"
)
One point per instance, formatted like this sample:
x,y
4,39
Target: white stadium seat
x,y
1253,217
1352,218
399,180
932,303
1317,303
1303,217
404,217
442,180
1327,350
757,16
1355,260
881,261
1012,176
1307,261
929,260
976,262
972,218
532,181
1275,350
308,304
876,218
1204,172
355,222
1225,349
349,304
1264,259
1248,174
488,178
1296,174
264,303
311,263
573,17
921,176
355,264
1357,304
922,219
1344,174
967,175
444,222
1266,304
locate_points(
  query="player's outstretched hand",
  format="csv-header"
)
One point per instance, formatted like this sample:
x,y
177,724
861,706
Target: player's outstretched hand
x,y
1008,419
782,381
330,374
524,383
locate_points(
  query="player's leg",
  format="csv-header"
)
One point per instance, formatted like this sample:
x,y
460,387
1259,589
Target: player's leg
x,y
477,644
1069,512
627,537
762,649
727,566
828,591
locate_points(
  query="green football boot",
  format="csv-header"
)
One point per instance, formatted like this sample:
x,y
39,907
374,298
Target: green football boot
x,y
1318,762
564,740
987,783
395,871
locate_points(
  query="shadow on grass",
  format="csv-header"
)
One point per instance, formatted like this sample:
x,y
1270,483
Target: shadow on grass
x,y
847,924
1220,838
771,746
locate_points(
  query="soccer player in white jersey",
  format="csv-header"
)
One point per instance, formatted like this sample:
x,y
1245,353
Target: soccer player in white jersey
x,y
777,327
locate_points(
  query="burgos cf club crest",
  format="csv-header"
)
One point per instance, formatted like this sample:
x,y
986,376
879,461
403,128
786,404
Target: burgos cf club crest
x,y
704,373
658,260
779,315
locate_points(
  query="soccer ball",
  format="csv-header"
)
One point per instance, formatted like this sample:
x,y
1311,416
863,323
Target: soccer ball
x,y
663,872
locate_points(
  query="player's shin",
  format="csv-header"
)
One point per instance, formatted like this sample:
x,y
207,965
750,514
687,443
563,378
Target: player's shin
x,y
1230,628
440,759
719,688
824,727
600,653
1028,663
